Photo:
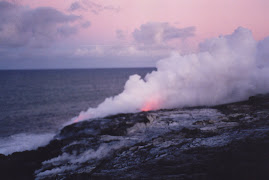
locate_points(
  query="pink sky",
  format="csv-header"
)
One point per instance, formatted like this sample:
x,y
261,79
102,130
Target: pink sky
x,y
121,32
210,17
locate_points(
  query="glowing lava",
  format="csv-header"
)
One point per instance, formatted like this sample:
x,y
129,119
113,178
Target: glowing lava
x,y
80,117
152,104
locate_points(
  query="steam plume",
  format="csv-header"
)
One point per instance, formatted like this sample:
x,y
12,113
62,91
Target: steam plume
x,y
226,69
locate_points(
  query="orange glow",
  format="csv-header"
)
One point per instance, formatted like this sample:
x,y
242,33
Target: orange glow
x,y
79,118
152,104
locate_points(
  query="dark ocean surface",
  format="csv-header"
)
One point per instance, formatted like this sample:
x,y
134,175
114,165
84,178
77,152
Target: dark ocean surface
x,y
38,102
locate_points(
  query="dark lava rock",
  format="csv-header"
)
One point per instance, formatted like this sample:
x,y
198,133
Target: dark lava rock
x,y
223,142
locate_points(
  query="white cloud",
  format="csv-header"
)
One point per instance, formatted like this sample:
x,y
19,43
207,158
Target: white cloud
x,y
39,27
151,40
92,6
159,33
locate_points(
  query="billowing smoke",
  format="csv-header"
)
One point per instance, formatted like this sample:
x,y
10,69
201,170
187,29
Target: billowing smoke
x,y
226,69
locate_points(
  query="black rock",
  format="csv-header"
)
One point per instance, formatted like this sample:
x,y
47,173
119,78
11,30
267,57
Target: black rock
x,y
223,142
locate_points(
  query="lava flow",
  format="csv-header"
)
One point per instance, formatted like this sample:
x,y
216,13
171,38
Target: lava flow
x,y
152,104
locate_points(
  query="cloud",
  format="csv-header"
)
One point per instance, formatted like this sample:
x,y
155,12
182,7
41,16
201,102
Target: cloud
x,y
120,34
158,33
131,50
92,6
21,26
75,6
95,51
151,40
108,51
86,24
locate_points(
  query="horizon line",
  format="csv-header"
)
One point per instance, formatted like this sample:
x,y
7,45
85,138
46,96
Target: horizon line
x,y
31,69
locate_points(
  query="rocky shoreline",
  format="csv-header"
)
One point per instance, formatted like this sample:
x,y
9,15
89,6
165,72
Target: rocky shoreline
x,y
228,141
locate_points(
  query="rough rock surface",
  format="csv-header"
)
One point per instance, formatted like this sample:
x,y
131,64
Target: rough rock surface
x,y
223,142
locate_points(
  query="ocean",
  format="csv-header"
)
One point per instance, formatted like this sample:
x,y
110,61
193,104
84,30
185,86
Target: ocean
x,y
35,104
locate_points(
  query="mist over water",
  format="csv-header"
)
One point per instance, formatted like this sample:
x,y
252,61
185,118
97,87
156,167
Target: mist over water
x,y
226,69
22,142
35,104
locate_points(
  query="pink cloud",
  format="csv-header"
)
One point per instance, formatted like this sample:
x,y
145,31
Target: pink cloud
x,y
210,17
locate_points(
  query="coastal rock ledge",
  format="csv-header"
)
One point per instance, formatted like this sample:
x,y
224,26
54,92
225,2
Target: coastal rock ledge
x,y
228,141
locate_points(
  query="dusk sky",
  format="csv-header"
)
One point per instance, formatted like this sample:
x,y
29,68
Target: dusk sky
x,y
117,33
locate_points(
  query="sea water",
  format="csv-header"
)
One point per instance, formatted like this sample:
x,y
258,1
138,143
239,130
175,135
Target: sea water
x,y
34,104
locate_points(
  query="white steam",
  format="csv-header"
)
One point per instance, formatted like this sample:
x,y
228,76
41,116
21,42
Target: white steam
x,y
226,69
22,142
